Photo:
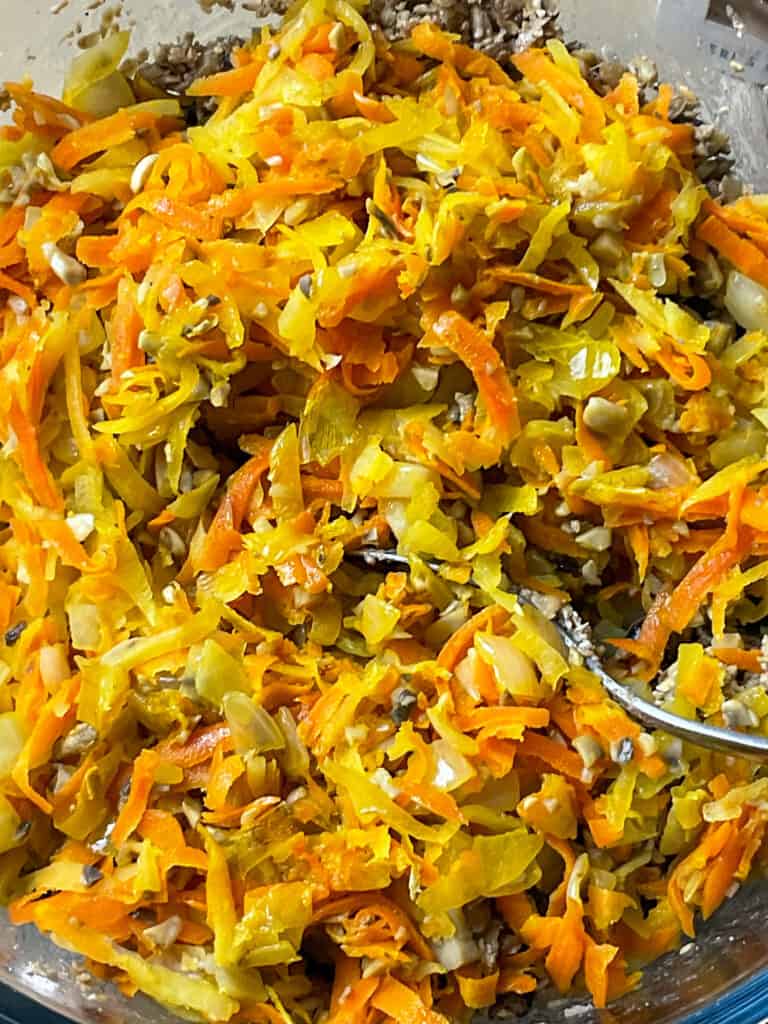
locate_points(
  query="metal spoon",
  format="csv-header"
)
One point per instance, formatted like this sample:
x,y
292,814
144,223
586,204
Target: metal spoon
x,y
576,637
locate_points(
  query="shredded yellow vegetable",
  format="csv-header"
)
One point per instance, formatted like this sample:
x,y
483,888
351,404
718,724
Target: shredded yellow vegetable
x,y
389,296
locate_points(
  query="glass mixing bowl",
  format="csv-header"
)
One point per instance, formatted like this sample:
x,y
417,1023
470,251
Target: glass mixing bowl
x,y
715,47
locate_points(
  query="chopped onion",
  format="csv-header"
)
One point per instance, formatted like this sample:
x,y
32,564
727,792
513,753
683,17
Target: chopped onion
x,y
216,671
11,742
54,667
385,782
514,670
667,471
253,728
747,302
165,933
295,759
84,626
460,948
451,768
456,951
403,480
466,672
394,512
589,749
579,872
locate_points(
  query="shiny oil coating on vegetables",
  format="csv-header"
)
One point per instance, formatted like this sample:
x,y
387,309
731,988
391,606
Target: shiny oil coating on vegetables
x,y
388,295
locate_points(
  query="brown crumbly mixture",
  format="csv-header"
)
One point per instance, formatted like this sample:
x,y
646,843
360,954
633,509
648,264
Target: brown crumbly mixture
x,y
497,27
266,8
175,66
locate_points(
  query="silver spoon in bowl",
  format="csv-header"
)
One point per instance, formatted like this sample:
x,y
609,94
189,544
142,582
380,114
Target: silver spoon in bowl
x,y
575,634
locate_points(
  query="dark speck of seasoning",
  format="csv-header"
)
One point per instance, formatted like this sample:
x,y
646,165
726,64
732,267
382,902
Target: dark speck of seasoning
x,y
125,792
305,284
402,706
384,219
12,635
142,914
213,300
625,751
91,875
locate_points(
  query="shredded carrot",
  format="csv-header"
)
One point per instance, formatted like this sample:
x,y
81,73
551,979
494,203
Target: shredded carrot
x,y
10,284
198,749
749,661
126,328
473,348
142,780
402,1004
458,645
552,754
54,719
742,253
673,612
223,535
689,370
100,136
36,472
227,83
640,546
537,66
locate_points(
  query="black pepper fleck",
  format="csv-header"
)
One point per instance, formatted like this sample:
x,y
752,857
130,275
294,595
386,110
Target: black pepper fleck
x,y
13,634
625,751
384,219
91,875
403,705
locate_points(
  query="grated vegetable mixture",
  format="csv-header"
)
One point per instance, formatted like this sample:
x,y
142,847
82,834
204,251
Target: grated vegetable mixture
x,y
389,295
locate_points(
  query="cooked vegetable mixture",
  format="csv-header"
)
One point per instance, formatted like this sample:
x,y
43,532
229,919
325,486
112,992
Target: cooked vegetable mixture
x,y
396,296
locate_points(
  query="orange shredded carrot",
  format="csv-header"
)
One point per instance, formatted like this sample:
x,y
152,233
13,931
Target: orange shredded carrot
x,y
227,83
35,470
563,760
639,542
749,660
689,370
402,1004
126,328
537,66
100,136
458,645
15,287
223,536
743,254
198,749
673,612
54,719
142,780
473,348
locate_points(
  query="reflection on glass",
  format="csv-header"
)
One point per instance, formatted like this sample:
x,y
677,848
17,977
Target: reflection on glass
x,y
749,16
